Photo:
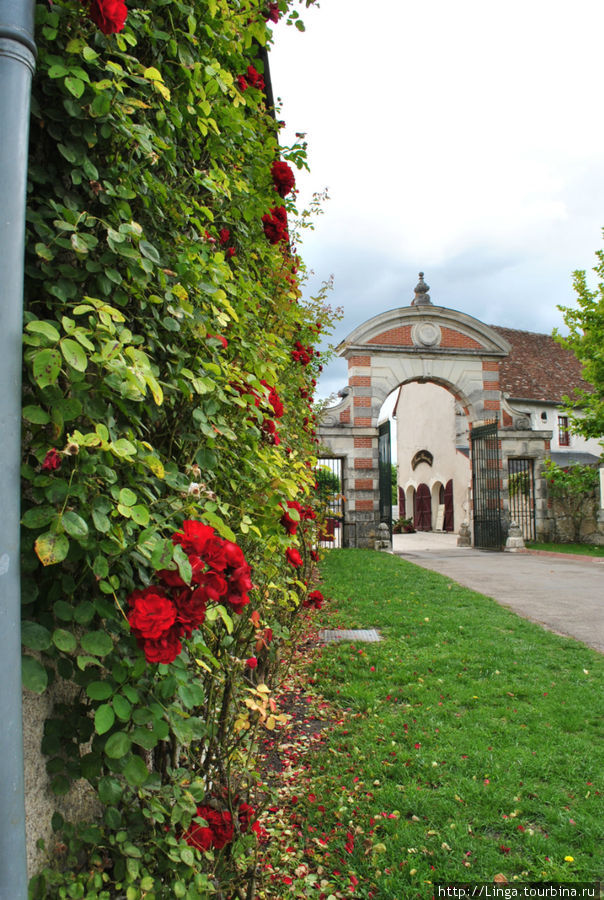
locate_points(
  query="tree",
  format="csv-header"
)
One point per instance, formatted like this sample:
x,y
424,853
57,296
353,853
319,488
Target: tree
x,y
574,486
586,339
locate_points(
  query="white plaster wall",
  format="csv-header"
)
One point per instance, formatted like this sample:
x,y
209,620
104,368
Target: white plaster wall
x,y
577,442
426,420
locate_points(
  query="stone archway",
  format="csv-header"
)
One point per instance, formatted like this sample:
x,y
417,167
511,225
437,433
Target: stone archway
x,y
417,343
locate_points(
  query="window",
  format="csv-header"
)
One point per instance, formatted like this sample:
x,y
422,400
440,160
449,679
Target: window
x,y
563,432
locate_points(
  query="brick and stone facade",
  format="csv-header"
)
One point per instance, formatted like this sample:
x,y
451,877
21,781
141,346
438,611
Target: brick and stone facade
x,y
426,343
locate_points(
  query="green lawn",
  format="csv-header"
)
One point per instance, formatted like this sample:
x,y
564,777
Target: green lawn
x,y
581,549
471,743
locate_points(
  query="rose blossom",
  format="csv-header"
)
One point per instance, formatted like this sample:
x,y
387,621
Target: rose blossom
x,y
252,662
152,613
52,461
109,15
275,225
314,599
163,650
217,833
283,177
293,557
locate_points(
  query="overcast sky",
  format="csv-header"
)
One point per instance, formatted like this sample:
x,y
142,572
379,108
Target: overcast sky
x,y
462,139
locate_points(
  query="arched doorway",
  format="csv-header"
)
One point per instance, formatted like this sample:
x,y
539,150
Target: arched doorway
x,y
422,518
423,344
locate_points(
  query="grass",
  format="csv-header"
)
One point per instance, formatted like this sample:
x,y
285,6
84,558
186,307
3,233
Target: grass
x,y
470,746
581,549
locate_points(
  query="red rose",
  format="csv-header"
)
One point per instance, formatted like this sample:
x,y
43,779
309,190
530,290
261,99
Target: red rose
x,y
290,525
283,177
152,613
255,78
293,557
275,225
109,15
242,83
245,814
194,537
163,650
252,662
52,461
274,400
217,833
272,13
314,555
314,599
190,609
224,235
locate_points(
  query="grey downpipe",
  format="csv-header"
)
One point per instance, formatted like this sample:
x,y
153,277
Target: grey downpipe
x,y
17,62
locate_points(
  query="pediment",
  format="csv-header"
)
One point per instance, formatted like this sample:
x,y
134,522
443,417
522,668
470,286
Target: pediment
x,y
430,329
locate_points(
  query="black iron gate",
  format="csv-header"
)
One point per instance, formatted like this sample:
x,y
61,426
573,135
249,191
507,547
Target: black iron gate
x,y
521,491
329,475
385,476
486,475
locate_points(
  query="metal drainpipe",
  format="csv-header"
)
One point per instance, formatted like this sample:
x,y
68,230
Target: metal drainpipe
x,y
17,63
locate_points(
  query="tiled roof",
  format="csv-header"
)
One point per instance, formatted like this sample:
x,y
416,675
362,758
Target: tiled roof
x,y
538,368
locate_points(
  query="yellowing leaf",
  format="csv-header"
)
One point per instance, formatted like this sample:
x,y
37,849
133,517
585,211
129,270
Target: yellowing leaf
x,y
152,74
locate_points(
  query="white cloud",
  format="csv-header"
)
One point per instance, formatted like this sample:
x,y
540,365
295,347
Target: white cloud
x,y
462,139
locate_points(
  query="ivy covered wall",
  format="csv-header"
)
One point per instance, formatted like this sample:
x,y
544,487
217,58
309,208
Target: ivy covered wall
x,y
169,437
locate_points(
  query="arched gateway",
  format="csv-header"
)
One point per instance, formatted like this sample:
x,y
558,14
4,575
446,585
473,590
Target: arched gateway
x,y
423,343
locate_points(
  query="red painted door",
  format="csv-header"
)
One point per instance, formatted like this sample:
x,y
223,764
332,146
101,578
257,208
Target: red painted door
x,y
401,503
423,509
448,525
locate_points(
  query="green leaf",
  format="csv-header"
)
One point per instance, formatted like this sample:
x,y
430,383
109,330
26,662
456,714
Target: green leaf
x,y
184,566
123,448
84,612
39,516
46,367
140,514
45,328
144,738
122,707
220,526
101,522
118,745
64,640
191,694
101,105
104,717
36,415
98,643
149,251
63,610
35,636
74,525
75,86
99,690
110,790
34,675
51,548
187,856
100,566
74,354
135,771
162,554
127,497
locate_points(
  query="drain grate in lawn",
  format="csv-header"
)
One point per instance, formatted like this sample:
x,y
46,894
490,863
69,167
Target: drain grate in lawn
x,y
368,635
